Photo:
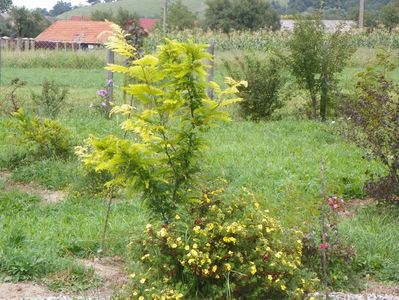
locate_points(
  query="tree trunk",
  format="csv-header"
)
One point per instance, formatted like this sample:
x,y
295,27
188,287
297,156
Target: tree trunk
x,y
323,99
324,83
314,105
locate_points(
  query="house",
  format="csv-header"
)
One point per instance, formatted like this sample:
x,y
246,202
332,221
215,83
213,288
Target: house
x,y
69,33
81,32
148,24
329,25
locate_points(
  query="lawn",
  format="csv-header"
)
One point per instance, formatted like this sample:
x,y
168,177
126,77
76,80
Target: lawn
x,y
279,161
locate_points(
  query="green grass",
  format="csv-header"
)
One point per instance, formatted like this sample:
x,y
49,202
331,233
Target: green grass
x,y
93,59
374,234
279,161
149,8
39,241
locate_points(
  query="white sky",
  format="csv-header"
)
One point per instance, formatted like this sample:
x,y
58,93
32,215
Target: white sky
x,y
44,3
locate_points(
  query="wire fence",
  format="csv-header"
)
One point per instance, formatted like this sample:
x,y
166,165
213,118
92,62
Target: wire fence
x,y
75,66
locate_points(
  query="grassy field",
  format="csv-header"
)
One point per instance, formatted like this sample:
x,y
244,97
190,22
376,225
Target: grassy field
x,y
149,8
279,161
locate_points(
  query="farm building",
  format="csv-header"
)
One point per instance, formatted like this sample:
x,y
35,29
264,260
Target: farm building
x,y
81,31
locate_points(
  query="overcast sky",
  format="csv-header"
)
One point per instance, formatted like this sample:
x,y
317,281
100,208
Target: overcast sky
x,y
44,3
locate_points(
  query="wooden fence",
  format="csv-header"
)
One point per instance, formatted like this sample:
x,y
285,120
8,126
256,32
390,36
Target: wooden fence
x,y
29,44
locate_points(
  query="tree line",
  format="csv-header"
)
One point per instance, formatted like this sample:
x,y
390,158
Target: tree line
x,y
222,15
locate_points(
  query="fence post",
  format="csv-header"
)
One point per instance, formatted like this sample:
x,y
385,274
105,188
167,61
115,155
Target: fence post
x,y
110,79
26,44
211,74
18,44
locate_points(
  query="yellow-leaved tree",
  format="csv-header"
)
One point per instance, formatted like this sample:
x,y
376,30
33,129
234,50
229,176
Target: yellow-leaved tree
x,y
160,151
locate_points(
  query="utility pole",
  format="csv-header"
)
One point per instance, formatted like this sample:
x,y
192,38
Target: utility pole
x,y
165,15
361,14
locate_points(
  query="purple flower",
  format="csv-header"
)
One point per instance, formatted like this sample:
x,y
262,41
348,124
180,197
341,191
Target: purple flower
x,y
110,82
102,93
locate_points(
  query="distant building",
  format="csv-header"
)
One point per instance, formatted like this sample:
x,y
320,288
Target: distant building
x,y
330,25
148,24
80,30
87,34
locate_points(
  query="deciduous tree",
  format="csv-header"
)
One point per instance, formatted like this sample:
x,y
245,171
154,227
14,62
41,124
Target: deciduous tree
x,y
5,5
60,7
390,14
180,17
226,15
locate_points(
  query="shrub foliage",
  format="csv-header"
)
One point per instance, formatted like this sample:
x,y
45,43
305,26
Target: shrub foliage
x,y
220,250
160,150
264,77
373,119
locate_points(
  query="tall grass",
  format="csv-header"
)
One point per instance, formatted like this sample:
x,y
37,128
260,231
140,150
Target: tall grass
x,y
93,59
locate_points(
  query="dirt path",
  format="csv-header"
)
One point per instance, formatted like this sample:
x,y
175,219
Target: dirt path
x,y
109,269
47,196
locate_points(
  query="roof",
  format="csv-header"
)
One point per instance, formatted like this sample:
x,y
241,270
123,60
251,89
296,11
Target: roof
x,y
330,25
148,24
88,32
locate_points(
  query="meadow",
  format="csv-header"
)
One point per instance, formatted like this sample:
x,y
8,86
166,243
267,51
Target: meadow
x,y
279,161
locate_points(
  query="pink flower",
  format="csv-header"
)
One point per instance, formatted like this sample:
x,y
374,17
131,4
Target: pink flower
x,y
102,93
324,246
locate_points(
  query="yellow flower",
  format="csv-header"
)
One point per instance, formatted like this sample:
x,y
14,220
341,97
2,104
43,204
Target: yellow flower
x,y
142,280
195,246
132,275
205,271
214,268
197,229
145,256
191,260
135,293
270,277
206,198
283,287
141,298
227,266
278,254
260,227
148,226
230,239
211,226
230,253
163,232
253,269
177,217
174,246
187,247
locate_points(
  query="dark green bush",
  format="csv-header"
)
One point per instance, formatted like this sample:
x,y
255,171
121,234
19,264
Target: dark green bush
x,y
373,123
264,77
51,100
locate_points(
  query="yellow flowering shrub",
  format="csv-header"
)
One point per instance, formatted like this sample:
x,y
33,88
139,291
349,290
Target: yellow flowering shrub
x,y
220,250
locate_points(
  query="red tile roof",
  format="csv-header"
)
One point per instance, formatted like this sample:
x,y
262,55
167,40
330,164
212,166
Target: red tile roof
x,y
148,24
89,32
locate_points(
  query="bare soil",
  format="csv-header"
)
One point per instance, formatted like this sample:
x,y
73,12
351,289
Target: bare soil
x,y
47,196
109,269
